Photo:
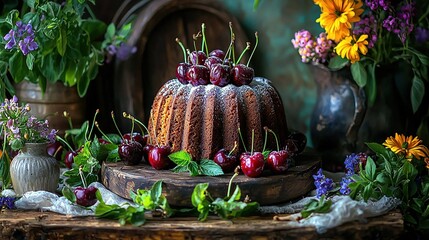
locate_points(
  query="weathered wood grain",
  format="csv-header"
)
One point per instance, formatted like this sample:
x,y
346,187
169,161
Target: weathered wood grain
x,y
178,187
30,225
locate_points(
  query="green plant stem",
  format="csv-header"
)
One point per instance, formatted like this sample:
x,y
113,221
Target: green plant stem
x,y
242,140
230,183
256,45
102,133
114,123
64,142
92,125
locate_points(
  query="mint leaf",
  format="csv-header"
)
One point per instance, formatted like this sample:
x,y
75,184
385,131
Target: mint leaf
x,y
210,168
68,193
181,158
359,74
193,168
316,206
179,169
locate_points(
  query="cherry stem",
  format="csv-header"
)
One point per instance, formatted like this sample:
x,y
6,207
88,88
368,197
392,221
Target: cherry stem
x,y
67,115
233,149
204,41
183,49
230,183
195,37
242,140
265,140
140,124
102,133
253,138
64,142
116,125
229,48
244,51
233,40
256,44
82,177
92,125
275,136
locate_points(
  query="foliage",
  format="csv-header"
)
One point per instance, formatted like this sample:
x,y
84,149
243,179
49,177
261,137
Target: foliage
x,y
399,168
49,41
184,163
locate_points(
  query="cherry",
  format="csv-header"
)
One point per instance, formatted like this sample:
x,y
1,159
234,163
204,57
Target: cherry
x,y
158,157
181,70
69,158
130,152
242,74
278,161
146,150
217,53
210,61
198,75
135,137
225,160
220,75
55,150
252,165
103,141
85,196
197,57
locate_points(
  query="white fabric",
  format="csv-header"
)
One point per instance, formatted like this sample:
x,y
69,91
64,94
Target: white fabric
x,y
47,201
344,209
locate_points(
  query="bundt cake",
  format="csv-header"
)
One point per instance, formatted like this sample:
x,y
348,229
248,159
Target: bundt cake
x,y
204,119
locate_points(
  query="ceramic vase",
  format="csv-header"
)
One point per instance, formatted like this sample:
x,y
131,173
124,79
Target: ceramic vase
x,y
32,169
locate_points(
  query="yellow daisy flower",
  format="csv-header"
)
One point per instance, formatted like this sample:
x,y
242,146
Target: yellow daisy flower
x,y
351,49
408,146
337,17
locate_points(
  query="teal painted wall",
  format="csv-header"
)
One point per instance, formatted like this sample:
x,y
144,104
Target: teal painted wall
x,y
276,22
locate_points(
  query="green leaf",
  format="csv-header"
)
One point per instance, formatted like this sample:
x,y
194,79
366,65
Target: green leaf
x,y
156,191
181,158
32,3
417,93
337,63
199,194
210,168
255,4
359,74
371,85
193,168
236,195
179,169
68,193
62,42
29,60
370,168
377,148
110,32
17,67
316,206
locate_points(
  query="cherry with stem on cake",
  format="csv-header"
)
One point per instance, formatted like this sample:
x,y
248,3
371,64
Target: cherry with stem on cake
x,y
220,75
278,161
226,160
85,196
182,68
252,163
212,60
145,139
217,53
129,151
243,74
198,75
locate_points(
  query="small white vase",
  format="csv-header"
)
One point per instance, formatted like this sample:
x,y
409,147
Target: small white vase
x,y
33,169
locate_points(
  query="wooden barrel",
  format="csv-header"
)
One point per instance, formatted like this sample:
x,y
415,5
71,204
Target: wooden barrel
x,y
156,26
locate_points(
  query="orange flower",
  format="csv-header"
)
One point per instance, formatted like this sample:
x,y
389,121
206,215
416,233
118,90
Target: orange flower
x,y
408,146
337,17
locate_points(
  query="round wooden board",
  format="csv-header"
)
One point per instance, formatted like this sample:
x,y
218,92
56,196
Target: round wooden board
x,y
178,187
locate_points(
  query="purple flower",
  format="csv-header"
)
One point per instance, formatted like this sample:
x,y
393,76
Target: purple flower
x,y
7,202
125,51
344,189
376,4
27,45
367,25
422,35
322,183
10,37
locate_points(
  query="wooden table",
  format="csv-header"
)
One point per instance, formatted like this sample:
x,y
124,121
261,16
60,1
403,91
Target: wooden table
x,y
18,224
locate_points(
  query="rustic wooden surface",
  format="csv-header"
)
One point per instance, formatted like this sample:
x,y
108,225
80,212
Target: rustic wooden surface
x,y
266,190
16,224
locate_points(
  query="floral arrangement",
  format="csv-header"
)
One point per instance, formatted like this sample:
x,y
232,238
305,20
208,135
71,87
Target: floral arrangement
x,y
19,127
50,41
399,168
367,34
